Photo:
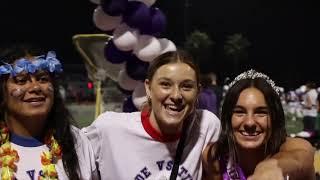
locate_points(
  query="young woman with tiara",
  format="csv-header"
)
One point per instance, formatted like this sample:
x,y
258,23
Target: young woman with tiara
x,y
36,137
254,143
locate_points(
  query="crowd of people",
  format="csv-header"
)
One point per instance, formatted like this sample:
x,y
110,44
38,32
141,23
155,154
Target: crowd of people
x,y
170,138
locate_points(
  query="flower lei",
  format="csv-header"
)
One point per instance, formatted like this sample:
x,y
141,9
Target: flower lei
x,y
9,156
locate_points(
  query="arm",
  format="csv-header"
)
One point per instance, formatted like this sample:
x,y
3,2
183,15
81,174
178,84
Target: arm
x,y
295,159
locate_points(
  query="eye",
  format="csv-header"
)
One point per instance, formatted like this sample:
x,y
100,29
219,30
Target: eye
x,y
165,84
239,112
262,113
187,87
43,79
21,80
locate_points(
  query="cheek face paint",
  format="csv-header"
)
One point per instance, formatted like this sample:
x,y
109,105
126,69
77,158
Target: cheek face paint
x,y
50,88
17,92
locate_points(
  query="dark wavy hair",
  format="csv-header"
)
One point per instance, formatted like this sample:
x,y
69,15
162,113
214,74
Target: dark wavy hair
x,y
59,118
226,143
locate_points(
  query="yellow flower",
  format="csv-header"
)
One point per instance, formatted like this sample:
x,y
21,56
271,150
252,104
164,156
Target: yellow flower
x,y
49,171
7,161
55,148
6,173
46,158
5,148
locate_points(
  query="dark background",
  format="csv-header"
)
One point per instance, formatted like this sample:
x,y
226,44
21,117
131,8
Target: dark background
x,y
283,34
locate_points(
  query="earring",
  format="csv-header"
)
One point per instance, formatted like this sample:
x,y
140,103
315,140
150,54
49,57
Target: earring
x,y
149,100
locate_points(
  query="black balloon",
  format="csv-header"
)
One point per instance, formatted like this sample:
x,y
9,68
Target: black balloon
x,y
128,105
157,24
136,69
114,7
114,55
137,15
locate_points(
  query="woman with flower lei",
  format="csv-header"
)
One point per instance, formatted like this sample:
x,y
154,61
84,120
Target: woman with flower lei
x,y
253,143
37,140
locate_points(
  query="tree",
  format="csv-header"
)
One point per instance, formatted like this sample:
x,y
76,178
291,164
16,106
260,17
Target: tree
x,y
200,45
236,48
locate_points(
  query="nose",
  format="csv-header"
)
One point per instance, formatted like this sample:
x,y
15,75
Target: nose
x,y
250,124
176,95
34,86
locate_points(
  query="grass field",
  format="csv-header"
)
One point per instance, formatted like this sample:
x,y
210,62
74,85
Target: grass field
x,y
83,114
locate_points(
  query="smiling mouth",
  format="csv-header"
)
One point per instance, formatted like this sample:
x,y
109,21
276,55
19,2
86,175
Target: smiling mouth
x,y
35,100
245,133
173,110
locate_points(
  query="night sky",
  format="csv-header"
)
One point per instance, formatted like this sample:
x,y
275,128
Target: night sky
x,y
283,34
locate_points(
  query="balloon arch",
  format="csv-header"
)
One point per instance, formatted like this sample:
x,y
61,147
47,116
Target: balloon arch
x,y
131,41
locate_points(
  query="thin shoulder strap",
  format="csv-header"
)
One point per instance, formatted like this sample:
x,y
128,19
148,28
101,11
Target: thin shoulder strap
x,y
186,127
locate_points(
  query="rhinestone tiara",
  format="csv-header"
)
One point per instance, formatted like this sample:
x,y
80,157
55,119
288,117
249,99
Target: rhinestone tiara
x,y
252,74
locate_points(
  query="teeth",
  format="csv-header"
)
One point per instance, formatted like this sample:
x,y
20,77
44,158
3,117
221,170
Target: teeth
x,y
172,107
250,134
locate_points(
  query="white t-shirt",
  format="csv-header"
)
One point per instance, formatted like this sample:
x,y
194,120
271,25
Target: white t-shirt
x,y
126,148
30,150
313,111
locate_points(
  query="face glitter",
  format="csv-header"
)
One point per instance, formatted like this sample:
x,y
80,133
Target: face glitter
x,y
17,92
50,88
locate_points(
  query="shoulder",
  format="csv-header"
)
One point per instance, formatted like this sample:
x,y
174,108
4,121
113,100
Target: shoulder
x,y
210,124
113,118
80,138
85,153
208,117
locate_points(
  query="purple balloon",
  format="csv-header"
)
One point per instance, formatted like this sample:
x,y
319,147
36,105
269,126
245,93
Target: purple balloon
x,y
114,55
128,105
137,15
114,7
136,69
157,25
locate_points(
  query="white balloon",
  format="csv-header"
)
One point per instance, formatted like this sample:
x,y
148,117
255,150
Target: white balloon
x,y
167,45
303,88
148,48
95,1
105,22
225,87
147,2
125,38
281,89
125,81
139,96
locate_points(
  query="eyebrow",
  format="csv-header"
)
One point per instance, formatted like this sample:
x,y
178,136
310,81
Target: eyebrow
x,y
168,79
40,73
258,108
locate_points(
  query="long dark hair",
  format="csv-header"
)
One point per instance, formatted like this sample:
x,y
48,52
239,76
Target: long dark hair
x,y
226,144
59,118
